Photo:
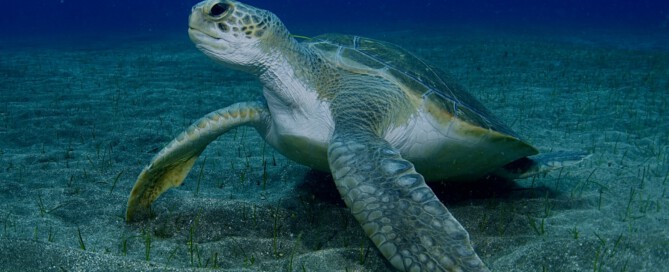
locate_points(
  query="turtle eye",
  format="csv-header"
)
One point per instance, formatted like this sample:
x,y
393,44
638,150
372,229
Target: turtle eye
x,y
219,9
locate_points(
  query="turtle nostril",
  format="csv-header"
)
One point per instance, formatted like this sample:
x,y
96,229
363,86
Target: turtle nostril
x,y
219,9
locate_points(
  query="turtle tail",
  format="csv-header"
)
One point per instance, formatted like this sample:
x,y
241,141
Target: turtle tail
x,y
533,165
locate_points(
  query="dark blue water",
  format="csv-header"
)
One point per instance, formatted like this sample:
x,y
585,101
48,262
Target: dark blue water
x,y
71,17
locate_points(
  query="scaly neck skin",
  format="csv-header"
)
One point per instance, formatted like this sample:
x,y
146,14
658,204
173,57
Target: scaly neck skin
x,y
288,74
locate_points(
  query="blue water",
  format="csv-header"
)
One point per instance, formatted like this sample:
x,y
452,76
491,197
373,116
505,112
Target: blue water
x,y
53,17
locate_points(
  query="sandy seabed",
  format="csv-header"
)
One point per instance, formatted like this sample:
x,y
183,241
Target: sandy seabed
x,y
78,122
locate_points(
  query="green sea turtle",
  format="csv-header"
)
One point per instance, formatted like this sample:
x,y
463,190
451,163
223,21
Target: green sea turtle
x,y
378,118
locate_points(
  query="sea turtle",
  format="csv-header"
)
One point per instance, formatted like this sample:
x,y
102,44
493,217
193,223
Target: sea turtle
x,y
378,118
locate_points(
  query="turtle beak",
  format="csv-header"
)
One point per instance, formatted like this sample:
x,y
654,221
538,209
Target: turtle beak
x,y
197,22
202,31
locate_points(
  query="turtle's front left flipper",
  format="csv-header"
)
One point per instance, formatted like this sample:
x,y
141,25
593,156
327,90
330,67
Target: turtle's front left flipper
x,y
395,207
171,165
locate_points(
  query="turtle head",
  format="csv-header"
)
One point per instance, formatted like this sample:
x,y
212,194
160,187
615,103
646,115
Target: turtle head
x,y
238,35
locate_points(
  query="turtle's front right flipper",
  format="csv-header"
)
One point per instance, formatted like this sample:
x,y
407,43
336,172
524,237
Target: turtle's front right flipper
x,y
395,207
172,164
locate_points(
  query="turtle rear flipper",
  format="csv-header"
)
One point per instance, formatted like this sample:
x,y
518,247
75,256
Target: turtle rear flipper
x,y
540,163
396,209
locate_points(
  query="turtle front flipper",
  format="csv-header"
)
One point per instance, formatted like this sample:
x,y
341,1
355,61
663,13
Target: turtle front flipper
x,y
172,164
395,207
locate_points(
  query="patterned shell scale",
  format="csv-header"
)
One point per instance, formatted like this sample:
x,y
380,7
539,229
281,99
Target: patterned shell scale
x,y
363,54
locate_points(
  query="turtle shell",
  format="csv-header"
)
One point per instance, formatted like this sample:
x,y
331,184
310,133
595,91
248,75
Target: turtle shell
x,y
364,55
